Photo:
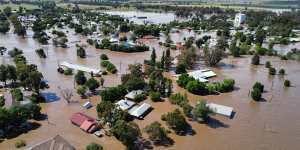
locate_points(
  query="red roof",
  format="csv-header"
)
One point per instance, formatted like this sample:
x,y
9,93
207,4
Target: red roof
x,y
86,125
79,118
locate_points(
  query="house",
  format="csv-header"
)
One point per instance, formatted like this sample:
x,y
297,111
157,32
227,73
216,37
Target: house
x,y
125,104
221,109
55,143
202,75
131,95
79,67
140,111
86,123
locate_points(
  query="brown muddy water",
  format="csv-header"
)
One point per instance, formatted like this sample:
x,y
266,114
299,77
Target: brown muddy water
x,y
270,125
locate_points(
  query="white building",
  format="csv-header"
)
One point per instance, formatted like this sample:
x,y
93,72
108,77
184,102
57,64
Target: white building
x,y
239,19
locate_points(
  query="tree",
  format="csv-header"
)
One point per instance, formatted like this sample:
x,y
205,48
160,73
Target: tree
x,y
35,81
67,94
2,101
201,111
213,56
81,52
155,96
127,133
162,61
3,74
17,94
287,83
268,64
259,86
92,84
81,91
103,57
176,121
180,69
255,59
113,93
256,94
168,60
282,71
2,50
272,71
94,146
153,56
196,87
4,26
156,132
7,11
80,78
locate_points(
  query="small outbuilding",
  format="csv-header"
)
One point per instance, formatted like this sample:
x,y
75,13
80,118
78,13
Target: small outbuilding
x,y
125,104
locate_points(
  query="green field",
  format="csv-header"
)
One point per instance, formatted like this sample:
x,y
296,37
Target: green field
x,y
16,7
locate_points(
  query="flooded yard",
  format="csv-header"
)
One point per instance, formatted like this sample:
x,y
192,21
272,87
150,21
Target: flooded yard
x,y
271,124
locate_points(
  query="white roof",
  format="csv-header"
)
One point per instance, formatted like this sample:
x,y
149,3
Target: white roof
x,y
87,105
221,109
139,111
113,40
132,94
125,104
202,75
79,67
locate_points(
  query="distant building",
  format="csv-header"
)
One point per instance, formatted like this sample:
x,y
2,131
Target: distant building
x,y
239,19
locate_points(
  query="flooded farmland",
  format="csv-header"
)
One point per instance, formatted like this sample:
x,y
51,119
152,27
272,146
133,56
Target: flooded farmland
x,y
271,124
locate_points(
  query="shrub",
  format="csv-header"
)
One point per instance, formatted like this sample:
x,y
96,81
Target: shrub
x,y
155,96
187,109
139,97
41,53
255,60
109,66
282,71
94,146
68,72
272,71
256,94
2,101
103,57
197,87
20,143
287,83
259,86
80,78
37,98
184,79
17,94
268,64
178,99
92,84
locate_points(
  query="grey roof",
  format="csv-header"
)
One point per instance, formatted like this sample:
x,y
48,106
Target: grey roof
x,y
55,143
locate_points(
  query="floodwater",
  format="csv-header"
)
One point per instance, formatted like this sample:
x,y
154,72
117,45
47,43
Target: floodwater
x,y
273,124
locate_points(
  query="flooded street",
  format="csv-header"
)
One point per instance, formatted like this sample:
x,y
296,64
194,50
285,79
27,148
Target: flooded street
x,y
272,124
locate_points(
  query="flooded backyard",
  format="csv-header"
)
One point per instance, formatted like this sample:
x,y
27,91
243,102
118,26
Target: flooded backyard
x,y
271,124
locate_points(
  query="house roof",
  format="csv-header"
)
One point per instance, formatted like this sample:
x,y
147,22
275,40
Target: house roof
x,y
55,143
139,111
132,94
202,75
80,67
125,104
86,125
221,109
79,118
